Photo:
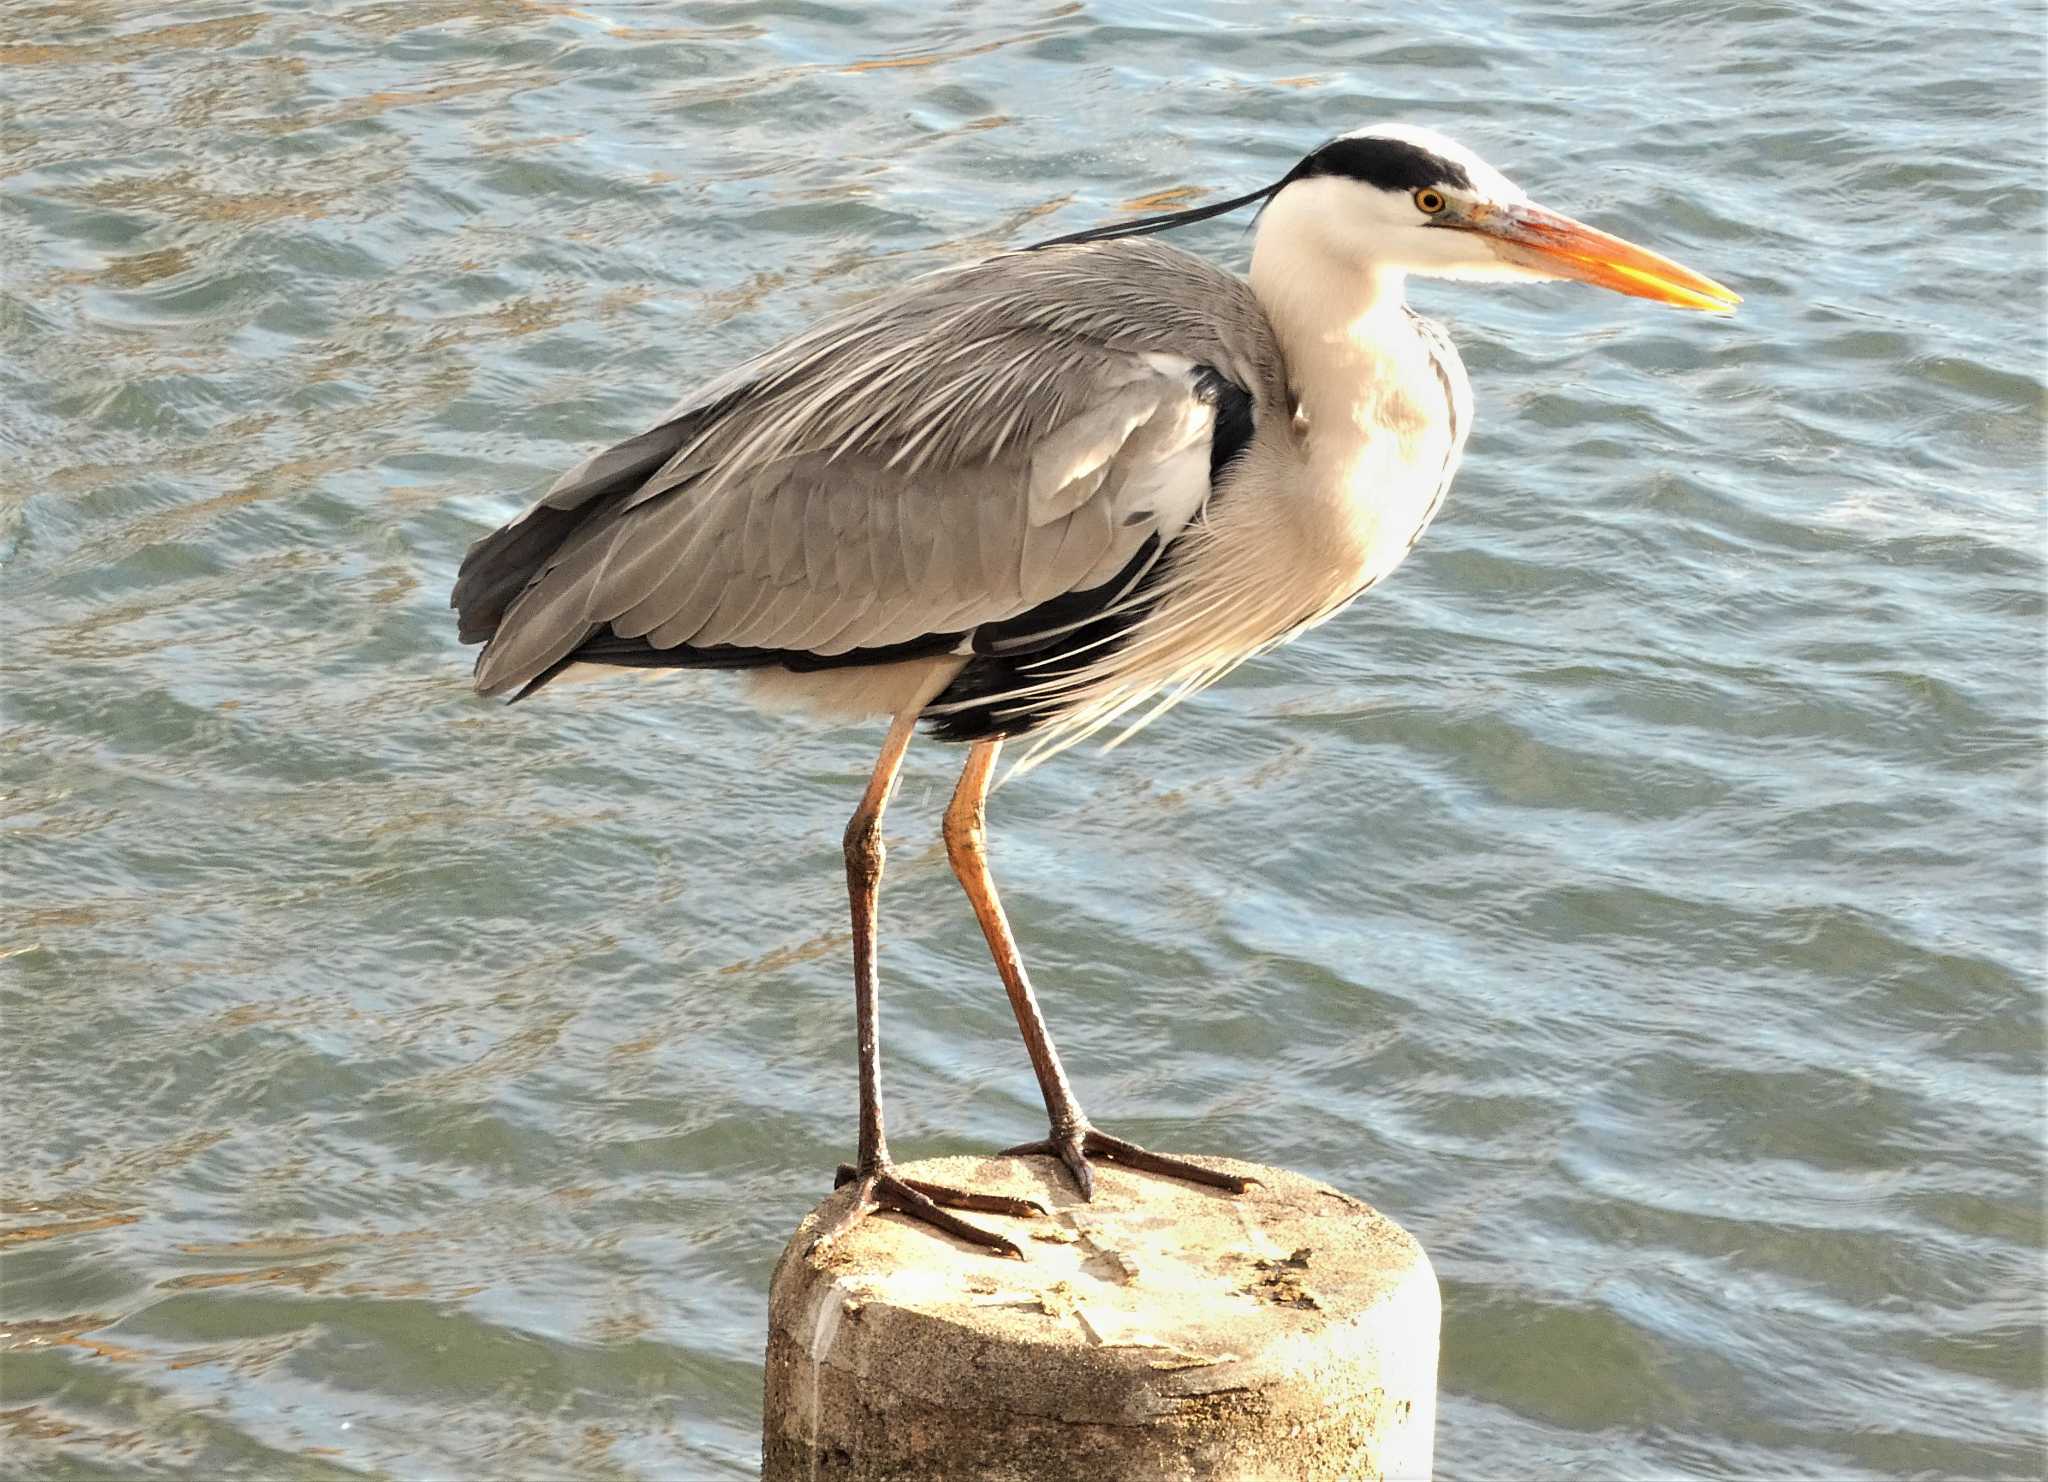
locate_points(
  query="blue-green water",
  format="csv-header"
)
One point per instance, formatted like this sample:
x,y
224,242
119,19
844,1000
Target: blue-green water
x,y
1639,897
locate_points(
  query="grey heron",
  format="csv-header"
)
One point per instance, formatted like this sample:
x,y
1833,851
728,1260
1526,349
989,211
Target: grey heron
x,y
1050,492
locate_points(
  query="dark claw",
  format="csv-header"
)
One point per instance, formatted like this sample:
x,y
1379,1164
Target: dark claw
x,y
1076,1158
1069,1151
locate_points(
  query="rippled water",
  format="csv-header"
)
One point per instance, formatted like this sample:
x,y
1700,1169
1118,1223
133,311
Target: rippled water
x,y
1639,897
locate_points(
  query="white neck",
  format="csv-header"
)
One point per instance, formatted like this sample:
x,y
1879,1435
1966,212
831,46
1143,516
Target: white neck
x,y
1333,316
1375,444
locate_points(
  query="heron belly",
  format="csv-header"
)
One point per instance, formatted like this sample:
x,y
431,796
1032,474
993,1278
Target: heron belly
x,y
852,693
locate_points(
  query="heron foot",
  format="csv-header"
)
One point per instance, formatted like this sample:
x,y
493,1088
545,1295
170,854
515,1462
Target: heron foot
x,y
881,1187
1077,1145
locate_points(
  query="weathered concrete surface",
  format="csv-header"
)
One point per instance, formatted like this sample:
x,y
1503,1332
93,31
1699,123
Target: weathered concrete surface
x,y
1163,1331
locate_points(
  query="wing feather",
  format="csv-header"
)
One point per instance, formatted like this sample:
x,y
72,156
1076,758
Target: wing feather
x,y
676,571
952,454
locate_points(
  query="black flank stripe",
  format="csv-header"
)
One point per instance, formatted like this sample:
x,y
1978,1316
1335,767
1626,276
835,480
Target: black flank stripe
x,y
606,647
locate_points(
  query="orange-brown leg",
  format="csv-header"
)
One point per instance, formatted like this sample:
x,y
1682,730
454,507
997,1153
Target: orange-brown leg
x,y
877,1184
1073,1139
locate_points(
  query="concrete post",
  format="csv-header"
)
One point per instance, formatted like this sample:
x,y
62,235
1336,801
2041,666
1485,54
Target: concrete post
x,y
1163,1331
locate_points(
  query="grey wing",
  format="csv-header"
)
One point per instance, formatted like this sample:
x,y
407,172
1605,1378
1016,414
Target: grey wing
x,y
957,454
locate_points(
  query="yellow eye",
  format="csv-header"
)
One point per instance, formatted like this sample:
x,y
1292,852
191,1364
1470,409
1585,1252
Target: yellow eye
x,y
1430,202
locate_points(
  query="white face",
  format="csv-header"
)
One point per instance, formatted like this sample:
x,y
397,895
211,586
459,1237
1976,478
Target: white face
x,y
1396,199
1403,218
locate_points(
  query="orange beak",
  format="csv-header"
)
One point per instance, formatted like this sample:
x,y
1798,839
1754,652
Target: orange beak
x,y
1563,248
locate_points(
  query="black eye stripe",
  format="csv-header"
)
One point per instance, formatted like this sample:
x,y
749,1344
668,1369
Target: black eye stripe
x,y
1389,164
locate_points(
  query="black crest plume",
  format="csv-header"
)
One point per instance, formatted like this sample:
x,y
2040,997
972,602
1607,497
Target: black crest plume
x,y
1388,164
1145,226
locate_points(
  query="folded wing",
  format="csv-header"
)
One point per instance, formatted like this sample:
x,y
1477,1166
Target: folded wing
x,y
959,454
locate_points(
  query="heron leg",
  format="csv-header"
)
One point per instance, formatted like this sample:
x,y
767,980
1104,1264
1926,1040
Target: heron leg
x,y
878,1185
1073,1140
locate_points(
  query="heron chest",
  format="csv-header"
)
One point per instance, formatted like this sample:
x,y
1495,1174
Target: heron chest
x,y
1379,451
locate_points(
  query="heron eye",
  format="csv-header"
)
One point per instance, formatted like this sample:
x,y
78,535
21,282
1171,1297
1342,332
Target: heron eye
x,y
1430,202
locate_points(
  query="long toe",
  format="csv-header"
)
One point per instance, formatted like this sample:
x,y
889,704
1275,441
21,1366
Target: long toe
x,y
1077,1148
951,1198
900,1196
1130,1155
948,1197
922,1201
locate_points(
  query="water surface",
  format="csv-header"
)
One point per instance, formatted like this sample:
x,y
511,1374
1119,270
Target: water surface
x,y
1639,897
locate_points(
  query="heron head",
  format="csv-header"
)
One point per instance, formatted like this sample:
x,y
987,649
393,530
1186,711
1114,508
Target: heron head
x,y
1395,197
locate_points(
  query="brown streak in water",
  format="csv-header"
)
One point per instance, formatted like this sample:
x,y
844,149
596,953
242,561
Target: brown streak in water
x,y
62,916
64,1333
184,193
133,269
1002,231
27,1234
357,109
236,433
61,1204
522,316
933,59
510,1057
411,15
113,1352
305,1278
1164,200
618,300
164,1156
593,1448
538,141
243,1357
721,305
289,477
622,1327
823,945
283,1245
215,34
34,1332
30,1424
738,31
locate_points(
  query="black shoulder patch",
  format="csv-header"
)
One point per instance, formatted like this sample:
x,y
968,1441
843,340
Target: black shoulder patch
x,y
1389,164
1233,431
1011,685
